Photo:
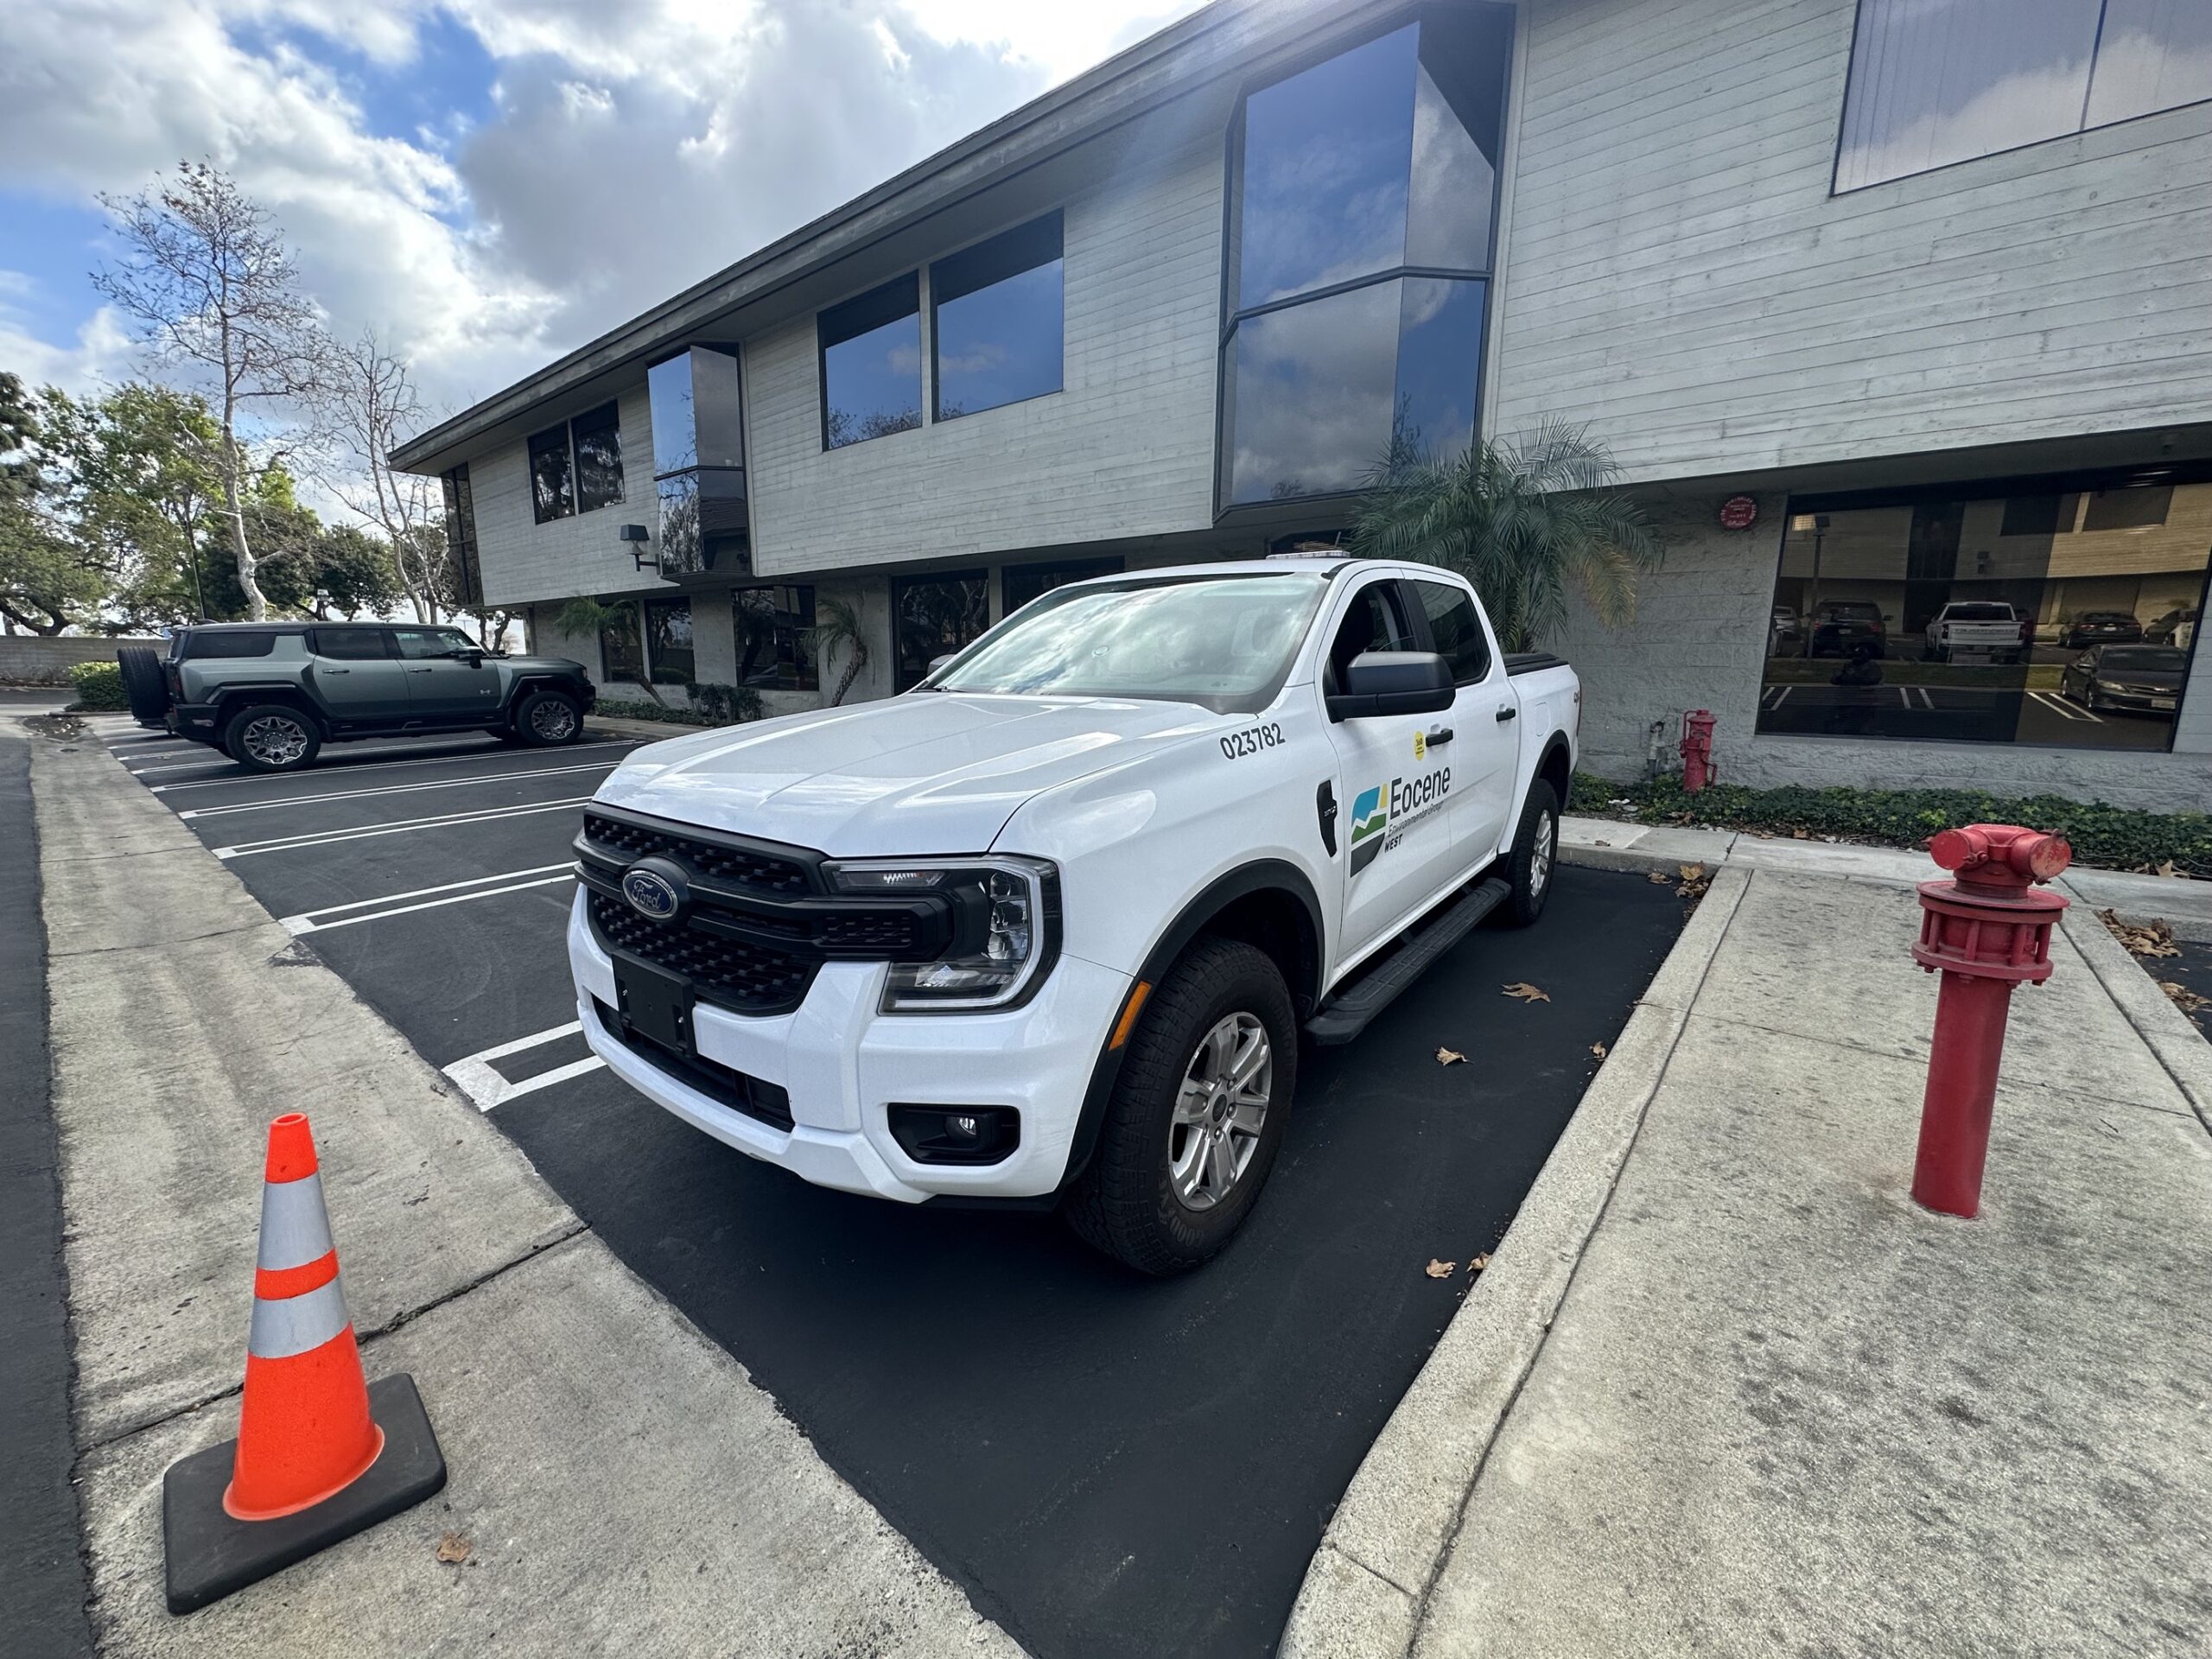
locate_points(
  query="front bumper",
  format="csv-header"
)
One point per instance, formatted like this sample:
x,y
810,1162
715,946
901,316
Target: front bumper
x,y
843,1064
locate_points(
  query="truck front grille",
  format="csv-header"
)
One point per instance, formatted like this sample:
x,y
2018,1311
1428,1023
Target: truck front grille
x,y
761,872
736,974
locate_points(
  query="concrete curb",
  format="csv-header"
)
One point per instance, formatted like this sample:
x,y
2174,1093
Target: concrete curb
x,y
2164,1029
1368,1582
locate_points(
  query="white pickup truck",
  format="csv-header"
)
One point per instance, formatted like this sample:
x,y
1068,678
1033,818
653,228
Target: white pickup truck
x,y
1977,630
1048,928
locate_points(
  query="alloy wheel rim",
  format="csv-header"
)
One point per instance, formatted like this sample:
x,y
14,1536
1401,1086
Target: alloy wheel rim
x,y
1540,856
551,719
275,740
1221,1108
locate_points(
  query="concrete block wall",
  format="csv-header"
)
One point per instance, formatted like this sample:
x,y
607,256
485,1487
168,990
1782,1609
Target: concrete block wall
x,y
1697,642
582,554
42,659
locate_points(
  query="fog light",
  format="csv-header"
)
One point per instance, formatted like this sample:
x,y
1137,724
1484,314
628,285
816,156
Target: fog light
x,y
955,1134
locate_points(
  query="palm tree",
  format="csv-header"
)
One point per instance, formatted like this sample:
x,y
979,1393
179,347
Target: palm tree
x,y
837,627
590,618
1520,522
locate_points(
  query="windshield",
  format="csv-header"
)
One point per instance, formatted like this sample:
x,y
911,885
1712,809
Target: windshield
x,y
2144,659
1225,643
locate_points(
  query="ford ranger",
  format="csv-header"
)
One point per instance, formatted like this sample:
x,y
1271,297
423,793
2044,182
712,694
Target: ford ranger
x,y
1049,928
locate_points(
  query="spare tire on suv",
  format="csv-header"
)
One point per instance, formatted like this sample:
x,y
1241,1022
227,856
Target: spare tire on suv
x,y
145,686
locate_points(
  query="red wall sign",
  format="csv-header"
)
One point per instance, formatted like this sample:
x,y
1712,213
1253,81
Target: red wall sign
x,y
1739,512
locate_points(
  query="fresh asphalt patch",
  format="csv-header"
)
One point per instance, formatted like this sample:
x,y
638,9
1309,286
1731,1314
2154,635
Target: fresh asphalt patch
x,y
1108,1465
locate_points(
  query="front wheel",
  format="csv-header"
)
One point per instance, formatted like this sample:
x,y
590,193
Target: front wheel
x,y
546,720
1196,1114
271,737
1529,866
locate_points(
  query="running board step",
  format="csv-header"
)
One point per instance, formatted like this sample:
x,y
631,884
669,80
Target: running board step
x,y
1344,1017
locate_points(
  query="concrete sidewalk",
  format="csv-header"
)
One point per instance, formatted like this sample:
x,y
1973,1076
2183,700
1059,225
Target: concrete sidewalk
x,y
1725,1388
623,1486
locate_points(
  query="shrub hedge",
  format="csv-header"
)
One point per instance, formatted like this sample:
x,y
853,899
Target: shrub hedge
x,y
99,686
2110,837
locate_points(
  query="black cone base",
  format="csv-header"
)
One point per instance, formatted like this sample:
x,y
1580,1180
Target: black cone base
x,y
210,1554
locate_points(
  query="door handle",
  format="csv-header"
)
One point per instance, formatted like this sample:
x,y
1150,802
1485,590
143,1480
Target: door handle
x,y
1508,713
1440,737
334,671
425,670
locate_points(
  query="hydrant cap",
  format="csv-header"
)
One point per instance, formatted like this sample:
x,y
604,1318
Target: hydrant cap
x,y
2023,855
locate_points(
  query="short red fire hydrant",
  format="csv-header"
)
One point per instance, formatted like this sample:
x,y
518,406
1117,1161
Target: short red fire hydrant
x,y
1697,749
1987,929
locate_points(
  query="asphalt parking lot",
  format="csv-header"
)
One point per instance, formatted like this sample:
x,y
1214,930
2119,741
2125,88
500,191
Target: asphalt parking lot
x,y
1109,1465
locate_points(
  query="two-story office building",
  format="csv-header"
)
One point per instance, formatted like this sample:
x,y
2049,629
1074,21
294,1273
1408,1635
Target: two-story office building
x,y
1897,313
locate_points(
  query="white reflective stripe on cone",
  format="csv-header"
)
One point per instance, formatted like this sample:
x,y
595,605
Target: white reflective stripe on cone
x,y
295,1228
294,1324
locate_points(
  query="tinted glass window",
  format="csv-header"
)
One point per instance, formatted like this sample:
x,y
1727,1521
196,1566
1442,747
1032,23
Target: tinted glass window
x,y
621,657
668,641
1456,630
431,642
1373,623
872,364
245,642
997,311
697,410
552,482
1938,81
1219,641
1019,583
935,615
598,436
1939,618
352,644
460,535
775,649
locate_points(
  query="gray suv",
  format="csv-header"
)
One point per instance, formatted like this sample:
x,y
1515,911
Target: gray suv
x,y
271,694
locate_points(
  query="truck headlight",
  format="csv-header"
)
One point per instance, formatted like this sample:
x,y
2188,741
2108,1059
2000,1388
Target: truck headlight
x,y
1005,928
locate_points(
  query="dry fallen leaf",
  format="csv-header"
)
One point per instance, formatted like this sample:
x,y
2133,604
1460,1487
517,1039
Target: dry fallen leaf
x,y
1800,835
2150,938
1658,878
1692,872
1450,1057
1441,1269
1526,993
453,1549
1599,1049
2184,999
1480,1263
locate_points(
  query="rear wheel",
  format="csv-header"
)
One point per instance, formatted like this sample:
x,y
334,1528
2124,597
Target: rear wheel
x,y
1197,1113
1534,856
144,686
546,720
271,737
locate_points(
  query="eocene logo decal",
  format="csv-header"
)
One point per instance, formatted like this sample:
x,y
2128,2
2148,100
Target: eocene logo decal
x,y
1370,818
1378,824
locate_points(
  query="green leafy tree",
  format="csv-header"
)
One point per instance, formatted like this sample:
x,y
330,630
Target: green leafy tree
x,y
1523,523
145,490
49,578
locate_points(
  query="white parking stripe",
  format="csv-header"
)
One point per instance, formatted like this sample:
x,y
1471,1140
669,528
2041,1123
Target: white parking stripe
x,y
310,921
288,843
2059,705
345,771
395,789
488,1088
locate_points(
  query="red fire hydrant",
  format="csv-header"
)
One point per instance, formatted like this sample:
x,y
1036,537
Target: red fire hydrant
x,y
1987,929
1697,750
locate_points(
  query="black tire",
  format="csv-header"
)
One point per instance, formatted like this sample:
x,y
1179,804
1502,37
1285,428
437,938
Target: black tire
x,y
1534,858
145,686
271,737
1126,1201
546,720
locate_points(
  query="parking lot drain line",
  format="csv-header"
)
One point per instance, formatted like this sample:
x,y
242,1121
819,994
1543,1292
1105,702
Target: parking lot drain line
x,y
307,924
395,789
488,815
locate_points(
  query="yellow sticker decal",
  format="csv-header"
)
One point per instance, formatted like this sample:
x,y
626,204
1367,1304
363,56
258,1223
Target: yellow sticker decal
x,y
1421,746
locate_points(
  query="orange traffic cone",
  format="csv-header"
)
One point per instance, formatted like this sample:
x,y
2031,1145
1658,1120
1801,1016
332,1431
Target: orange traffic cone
x,y
304,1431
321,1454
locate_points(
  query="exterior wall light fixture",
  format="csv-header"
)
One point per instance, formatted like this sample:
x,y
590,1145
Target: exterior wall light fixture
x,y
637,538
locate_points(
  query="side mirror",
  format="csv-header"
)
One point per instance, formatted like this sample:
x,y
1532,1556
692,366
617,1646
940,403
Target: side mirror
x,y
935,663
1393,682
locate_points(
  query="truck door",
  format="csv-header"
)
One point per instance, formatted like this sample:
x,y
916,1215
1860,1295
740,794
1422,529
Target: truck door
x,y
447,678
1397,850
1482,736
359,675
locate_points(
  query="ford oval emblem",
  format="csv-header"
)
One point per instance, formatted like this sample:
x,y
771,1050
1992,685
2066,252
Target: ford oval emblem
x,y
651,894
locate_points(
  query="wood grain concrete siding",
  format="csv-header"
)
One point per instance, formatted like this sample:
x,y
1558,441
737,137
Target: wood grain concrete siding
x,y
1125,449
1678,275
583,554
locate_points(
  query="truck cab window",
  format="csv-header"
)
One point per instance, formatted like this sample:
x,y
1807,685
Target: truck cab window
x,y
1375,622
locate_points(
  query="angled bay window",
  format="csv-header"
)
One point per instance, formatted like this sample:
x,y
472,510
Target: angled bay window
x,y
1938,81
698,419
872,363
1360,247
460,535
995,319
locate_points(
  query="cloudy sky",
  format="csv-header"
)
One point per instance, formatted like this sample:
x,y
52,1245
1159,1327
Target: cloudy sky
x,y
489,181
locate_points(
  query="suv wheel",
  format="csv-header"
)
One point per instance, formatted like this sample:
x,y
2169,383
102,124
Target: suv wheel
x,y
545,720
1535,857
1196,1114
270,737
